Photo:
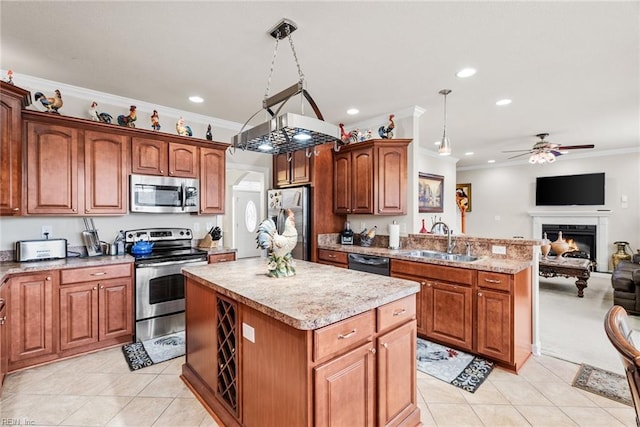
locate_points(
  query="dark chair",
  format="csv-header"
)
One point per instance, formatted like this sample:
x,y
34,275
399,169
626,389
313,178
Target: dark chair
x,y
625,281
619,333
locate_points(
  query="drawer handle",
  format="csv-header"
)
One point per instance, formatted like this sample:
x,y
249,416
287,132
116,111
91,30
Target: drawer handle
x,y
345,336
493,281
332,256
400,312
3,319
15,209
102,273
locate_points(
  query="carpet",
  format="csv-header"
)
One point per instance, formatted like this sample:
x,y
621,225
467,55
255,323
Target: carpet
x,y
604,383
146,353
455,367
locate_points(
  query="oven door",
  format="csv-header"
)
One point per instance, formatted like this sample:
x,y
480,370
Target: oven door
x,y
160,288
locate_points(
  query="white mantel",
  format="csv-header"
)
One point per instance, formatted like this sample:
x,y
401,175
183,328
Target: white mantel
x,y
599,218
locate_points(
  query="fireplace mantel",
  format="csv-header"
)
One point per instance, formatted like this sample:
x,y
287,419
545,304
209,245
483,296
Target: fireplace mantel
x,y
599,218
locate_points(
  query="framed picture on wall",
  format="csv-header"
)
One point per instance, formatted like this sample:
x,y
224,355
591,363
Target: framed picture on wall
x,y
430,192
463,196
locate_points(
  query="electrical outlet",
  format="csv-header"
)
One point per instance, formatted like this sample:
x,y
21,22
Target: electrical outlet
x,y
499,250
47,231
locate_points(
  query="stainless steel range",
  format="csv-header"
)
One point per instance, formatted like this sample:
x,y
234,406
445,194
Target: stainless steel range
x,y
159,284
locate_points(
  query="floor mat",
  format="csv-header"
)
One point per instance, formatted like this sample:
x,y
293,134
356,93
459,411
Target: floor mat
x,y
146,353
452,366
604,383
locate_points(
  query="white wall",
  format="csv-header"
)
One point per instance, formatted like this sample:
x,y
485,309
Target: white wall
x,y
76,104
502,197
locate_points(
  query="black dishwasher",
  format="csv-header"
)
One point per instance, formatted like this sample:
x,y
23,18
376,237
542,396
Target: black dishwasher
x,y
370,264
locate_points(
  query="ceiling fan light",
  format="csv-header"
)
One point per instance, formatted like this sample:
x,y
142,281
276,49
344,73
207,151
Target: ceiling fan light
x,y
533,159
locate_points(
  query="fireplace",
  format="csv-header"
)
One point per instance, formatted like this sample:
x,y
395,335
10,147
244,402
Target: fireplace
x,y
597,218
583,238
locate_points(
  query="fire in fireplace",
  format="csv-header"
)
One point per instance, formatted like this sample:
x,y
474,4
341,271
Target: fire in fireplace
x,y
581,239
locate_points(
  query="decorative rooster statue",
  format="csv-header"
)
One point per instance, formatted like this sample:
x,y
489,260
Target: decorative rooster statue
x,y
280,241
52,104
155,120
129,120
98,117
387,133
348,138
183,129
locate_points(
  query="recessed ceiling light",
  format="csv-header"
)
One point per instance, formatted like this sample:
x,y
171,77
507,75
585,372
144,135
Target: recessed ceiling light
x,y
466,72
503,102
196,99
469,153
491,161
352,111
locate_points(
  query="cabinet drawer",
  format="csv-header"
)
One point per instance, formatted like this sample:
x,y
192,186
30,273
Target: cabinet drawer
x,y
396,313
342,335
89,274
459,276
332,256
222,257
498,281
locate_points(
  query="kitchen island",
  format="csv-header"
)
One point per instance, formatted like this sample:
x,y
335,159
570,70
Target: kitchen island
x,y
325,347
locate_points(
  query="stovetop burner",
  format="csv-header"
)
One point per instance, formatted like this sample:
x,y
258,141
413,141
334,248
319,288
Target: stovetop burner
x,y
169,244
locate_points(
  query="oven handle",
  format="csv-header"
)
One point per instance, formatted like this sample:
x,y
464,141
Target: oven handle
x,y
184,196
160,264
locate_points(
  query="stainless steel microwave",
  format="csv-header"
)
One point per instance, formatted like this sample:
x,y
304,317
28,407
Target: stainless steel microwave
x,y
163,194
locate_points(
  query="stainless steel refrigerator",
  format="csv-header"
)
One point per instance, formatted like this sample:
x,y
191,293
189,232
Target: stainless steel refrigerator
x,y
296,199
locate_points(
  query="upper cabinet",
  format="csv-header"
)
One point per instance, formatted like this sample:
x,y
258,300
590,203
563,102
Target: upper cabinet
x,y
12,101
212,180
292,169
151,156
371,178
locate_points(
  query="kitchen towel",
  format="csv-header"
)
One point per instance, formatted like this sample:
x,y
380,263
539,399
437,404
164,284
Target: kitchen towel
x,y
394,236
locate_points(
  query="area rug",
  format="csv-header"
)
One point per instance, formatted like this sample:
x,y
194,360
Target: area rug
x,y
452,366
604,383
146,353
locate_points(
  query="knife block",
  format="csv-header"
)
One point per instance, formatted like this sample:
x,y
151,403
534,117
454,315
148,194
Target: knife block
x,y
207,242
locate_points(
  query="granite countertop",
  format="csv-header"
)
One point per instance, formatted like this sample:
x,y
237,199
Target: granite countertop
x,y
318,295
12,267
484,263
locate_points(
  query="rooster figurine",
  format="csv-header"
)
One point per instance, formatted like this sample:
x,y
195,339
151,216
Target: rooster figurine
x,y
183,129
387,133
98,117
52,104
155,120
129,120
347,138
279,241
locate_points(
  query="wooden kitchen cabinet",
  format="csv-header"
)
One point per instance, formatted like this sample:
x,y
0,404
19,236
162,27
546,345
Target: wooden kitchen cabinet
x,y
292,169
449,313
96,307
371,178
225,257
106,169
4,342
335,258
33,318
212,180
12,100
52,169
152,156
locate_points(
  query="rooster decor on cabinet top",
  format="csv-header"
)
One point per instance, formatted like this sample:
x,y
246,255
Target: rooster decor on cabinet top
x,y
279,240
155,120
51,104
183,129
98,117
128,121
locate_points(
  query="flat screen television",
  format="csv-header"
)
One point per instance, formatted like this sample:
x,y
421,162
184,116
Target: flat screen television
x,y
585,189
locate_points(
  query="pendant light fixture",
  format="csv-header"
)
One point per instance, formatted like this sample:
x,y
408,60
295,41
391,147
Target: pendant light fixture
x,y
445,145
287,132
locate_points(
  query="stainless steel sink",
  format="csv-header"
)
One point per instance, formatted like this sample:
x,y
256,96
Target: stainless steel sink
x,y
440,255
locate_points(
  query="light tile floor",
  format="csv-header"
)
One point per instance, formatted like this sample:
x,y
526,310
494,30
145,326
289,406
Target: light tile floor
x,y
99,390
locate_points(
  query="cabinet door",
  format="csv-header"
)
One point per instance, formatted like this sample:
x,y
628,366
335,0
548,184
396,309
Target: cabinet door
x,y
106,170
212,180
494,325
115,308
345,390
449,314
10,155
281,170
342,183
397,374
78,315
52,169
362,185
149,156
183,160
392,180
300,168
4,342
31,313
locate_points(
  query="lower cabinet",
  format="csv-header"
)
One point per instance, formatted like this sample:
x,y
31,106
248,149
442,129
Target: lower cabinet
x,y
225,257
448,313
32,320
335,258
4,355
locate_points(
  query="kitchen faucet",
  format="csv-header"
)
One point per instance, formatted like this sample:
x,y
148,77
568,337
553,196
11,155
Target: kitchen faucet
x,y
451,241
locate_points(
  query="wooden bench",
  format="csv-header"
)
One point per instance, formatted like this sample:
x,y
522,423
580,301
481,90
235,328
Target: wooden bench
x,y
579,268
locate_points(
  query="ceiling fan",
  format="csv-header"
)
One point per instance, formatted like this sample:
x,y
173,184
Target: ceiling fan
x,y
545,151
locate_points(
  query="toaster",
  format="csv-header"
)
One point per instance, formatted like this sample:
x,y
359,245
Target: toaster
x,y
34,250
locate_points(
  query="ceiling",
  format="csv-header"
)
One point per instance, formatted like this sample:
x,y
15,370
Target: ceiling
x,y
571,68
